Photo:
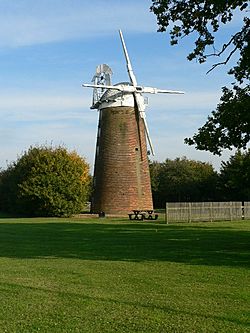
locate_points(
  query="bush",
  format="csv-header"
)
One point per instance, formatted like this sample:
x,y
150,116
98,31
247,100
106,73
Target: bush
x,y
45,181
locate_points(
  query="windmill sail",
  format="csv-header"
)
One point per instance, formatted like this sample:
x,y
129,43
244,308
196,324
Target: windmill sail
x,y
129,66
139,100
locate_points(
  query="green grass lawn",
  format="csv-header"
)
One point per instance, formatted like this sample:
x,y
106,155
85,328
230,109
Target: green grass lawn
x,y
71,275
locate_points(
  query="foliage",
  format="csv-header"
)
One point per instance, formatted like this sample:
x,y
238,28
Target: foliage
x,y
235,177
45,181
203,19
228,126
182,180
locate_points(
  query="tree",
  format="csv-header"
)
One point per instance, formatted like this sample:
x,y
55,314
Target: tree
x,y
45,181
235,177
182,180
229,125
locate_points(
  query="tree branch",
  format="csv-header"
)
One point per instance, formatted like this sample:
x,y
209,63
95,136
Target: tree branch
x,y
224,47
223,62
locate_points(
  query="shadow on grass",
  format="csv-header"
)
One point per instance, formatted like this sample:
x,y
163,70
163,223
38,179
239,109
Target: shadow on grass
x,y
196,245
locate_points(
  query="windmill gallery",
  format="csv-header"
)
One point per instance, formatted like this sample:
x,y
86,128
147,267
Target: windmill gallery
x,y
121,174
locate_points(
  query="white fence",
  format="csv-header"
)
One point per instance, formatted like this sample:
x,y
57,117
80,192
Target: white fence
x,y
247,210
207,211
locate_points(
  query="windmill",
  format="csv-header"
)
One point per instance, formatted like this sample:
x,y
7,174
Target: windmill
x,y
121,174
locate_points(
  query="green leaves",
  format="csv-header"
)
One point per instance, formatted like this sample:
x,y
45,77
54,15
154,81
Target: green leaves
x,y
235,177
182,180
46,181
189,180
201,18
229,125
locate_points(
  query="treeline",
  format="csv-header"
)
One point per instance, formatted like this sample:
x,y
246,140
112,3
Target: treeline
x,y
45,181
183,180
50,181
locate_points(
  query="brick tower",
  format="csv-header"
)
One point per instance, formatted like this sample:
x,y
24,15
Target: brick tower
x,y
121,174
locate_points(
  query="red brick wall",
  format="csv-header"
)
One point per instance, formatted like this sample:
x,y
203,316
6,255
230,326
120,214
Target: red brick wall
x,y
121,175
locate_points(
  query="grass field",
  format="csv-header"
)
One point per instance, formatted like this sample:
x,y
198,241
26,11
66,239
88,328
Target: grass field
x,y
71,275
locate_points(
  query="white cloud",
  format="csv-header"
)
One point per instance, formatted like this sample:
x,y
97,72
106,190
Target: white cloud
x,y
172,146
41,101
30,119
196,100
23,107
79,134
162,107
30,22
40,118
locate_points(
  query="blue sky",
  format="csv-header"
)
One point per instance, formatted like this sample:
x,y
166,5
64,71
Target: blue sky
x,y
48,48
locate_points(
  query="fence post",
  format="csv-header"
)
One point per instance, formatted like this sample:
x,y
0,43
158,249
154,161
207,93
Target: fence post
x,y
166,213
189,212
231,213
211,211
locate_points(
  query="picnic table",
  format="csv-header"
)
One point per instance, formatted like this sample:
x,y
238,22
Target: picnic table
x,y
141,215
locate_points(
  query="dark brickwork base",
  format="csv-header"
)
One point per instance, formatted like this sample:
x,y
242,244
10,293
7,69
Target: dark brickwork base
x,y
121,174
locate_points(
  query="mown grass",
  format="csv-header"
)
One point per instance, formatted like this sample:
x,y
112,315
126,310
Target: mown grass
x,y
72,275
